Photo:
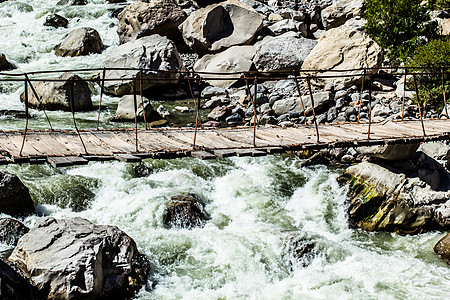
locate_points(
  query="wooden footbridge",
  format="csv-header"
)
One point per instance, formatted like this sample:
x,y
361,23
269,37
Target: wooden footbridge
x,y
79,146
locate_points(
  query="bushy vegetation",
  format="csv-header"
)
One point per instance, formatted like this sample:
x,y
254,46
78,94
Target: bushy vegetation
x,y
399,26
439,4
434,54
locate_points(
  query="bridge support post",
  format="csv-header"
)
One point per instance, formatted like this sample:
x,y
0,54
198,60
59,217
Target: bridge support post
x,y
39,100
370,108
72,105
404,93
418,104
197,106
135,113
308,80
360,97
26,115
141,91
443,92
101,96
300,95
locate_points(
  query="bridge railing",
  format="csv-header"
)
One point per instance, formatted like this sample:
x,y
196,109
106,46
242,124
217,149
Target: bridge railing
x,y
307,77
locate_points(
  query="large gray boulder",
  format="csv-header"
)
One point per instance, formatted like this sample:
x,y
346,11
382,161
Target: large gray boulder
x,y
76,259
57,95
321,101
390,152
406,197
15,198
11,230
340,11
185,211
154,53
81,41
5,65
286,52
220,26
237,59
125,109
343,48
442,248
146,18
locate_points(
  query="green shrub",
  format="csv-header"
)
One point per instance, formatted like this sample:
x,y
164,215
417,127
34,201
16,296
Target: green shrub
x,y
434,54
439,4
398,26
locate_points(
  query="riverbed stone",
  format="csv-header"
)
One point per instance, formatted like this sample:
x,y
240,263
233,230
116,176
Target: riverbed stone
x,y
390,152
219,113
442,248
5,65
340,11
55,20
220,26
125,109
15,197
185,211
81,41
286,52
343,48
57,95
322,100
392,197
76,259
146,18
11,230
237,59
155,53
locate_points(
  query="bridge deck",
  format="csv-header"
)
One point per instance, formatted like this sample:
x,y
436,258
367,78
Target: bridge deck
x,y
63,147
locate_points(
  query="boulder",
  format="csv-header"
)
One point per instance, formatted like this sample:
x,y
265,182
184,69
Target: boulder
x,y
125,109
445,27
153,54
11,230
298,251
220,26
81,41
237,59
57,95
14,285
321,101
286,25
76,259
5,65
185,211
342,49
340,11
442,248
390,152
286,52
392,197
15,198
219,113
55,20
146,18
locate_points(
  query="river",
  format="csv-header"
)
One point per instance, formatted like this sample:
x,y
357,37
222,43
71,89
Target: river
x,y
255,204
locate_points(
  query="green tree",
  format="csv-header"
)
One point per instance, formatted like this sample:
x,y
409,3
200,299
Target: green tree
x,y
435,54
398,26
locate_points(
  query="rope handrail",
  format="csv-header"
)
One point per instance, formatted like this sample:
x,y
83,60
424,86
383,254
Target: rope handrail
x,y
256,73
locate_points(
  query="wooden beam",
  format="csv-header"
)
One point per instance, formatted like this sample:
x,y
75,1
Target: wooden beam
x,y
202,155
127,158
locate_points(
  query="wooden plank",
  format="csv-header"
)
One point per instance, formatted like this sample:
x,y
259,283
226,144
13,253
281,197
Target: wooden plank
x,y
244,152
273,150
225,153
99,157
256,153
3,160
202,155
114,142
66,161
127,158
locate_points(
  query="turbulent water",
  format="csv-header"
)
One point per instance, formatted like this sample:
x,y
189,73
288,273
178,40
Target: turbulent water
x,y
256,205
